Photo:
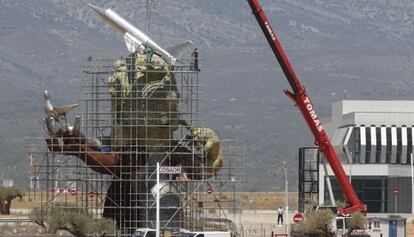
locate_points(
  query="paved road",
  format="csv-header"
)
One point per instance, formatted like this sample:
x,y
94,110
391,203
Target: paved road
x,y
260,224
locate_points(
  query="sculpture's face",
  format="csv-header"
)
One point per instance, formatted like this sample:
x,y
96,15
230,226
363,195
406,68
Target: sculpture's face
x,y
119,63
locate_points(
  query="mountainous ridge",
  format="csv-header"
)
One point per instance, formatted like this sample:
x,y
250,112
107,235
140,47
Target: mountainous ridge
x,y
340,49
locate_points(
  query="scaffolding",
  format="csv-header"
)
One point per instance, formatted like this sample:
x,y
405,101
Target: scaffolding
x,y
135,112
309,160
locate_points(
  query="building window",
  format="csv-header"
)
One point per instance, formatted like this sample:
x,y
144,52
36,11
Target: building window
x,y
389,146
399,145
368,145
378,148
377,224
409,144
357,146
371,190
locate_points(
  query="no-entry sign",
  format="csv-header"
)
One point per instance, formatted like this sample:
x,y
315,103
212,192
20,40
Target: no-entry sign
x,y
73,191
209,190
396,191
298,217
91,194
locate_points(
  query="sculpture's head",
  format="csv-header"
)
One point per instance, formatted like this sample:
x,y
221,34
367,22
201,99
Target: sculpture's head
x,y
119,65
46,95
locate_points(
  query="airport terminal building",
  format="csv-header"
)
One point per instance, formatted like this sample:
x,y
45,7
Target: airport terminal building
x,y
375,141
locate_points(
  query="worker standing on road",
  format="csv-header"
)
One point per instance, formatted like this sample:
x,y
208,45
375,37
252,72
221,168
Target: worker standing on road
x,y
280,212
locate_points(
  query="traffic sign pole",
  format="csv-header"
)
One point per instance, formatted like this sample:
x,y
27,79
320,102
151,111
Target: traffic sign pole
x,y
412,184
396,192
286,199
157,228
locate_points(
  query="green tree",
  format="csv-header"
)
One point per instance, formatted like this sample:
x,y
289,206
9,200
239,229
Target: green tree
x,y
356,222
38,216
7,195
75,221
314,224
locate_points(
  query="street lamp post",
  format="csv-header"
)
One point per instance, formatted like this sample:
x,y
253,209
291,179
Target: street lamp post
x,y
412,183
286,199
350,168
157,223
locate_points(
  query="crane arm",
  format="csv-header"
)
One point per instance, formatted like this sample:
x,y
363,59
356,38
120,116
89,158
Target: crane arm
x,y
302,100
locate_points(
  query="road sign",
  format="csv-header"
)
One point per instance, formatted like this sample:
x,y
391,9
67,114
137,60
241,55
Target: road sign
x,y
170,169
73,191
209,190
91,194
396,191
298,217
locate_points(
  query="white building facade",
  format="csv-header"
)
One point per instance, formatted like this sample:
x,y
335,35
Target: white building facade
x,y
375,141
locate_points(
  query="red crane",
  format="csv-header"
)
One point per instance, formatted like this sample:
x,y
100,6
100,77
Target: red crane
x,y
302,100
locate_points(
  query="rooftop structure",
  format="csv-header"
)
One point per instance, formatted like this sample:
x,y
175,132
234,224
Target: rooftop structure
x,y
375,141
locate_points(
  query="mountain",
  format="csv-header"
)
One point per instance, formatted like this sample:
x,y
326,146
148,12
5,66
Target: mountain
x,y
352,49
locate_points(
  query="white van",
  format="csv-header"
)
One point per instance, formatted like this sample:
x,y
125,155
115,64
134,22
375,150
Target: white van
x,y
147,232
144,232
207,234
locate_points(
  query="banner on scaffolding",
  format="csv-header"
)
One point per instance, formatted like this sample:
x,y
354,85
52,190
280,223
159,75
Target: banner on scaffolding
x,y
170,169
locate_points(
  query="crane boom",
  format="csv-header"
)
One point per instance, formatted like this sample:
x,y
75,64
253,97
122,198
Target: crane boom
x,y
302,100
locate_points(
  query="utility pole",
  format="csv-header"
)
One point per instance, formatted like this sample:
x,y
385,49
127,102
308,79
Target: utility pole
x,y
412,184
157,223
148,15
350,168
287,221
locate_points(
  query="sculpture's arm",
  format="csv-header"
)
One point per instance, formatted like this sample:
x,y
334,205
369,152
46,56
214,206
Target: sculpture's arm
x,y
209,142
98,161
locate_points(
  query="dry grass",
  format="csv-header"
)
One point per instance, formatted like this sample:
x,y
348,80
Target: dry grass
x,y
267,200
263,200
410,229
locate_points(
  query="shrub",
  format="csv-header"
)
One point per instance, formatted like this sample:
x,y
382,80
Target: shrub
x,y
356,222
75,221
7,195
314,224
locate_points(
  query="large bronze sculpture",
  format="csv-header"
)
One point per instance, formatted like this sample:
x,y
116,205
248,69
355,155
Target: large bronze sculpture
x,y
145,114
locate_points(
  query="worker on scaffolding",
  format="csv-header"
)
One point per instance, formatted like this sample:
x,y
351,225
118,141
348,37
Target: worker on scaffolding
x,y
194,57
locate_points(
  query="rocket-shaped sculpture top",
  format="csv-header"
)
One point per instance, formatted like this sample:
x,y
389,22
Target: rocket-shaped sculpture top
x,y
135,39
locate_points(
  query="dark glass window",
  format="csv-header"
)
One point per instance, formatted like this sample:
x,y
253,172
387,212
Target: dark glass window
x,y
358,184
372,183
409,144
368,144
372,194
373,206
339,224
373,191
378,150
357,146
399,145
389,147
